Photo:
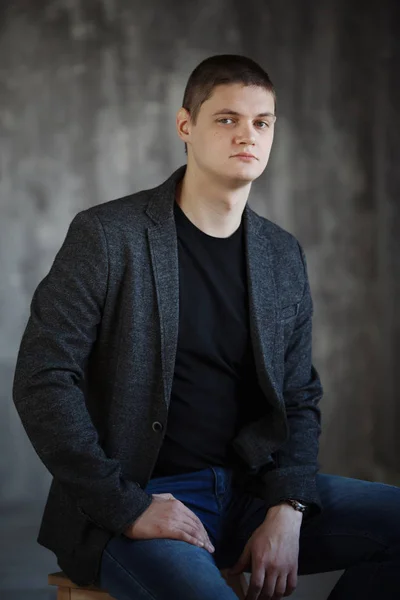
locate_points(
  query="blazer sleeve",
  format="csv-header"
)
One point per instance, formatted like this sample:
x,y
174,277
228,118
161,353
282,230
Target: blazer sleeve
x,y
65,312
296,460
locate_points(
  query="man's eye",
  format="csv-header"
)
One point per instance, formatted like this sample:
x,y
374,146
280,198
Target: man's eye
x,y
264,124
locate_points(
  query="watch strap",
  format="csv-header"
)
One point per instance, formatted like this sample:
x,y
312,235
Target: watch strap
x,y
296,504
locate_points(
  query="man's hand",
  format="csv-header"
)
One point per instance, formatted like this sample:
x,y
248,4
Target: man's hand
x,y
271,554
167,517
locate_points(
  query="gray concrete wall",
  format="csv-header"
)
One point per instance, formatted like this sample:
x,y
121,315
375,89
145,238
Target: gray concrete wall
x,y
88,96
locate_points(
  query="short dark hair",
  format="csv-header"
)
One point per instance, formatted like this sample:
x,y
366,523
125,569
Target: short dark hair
x,y
218,70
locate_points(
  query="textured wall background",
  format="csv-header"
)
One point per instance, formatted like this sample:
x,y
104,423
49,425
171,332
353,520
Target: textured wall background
x,y
88,96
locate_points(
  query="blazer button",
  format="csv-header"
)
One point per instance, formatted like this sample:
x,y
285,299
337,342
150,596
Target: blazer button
x,y
157,426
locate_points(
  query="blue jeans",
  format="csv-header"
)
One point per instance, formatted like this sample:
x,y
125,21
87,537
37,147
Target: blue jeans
x,y
358,530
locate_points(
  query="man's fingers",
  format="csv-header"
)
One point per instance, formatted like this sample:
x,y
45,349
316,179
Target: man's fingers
x,y
280,587
183,535
257,577
195,518
291,582
188,517
270,583
191,527
189,534
256,584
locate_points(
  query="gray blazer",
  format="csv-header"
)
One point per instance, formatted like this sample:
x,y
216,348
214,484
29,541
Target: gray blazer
x,y
95,367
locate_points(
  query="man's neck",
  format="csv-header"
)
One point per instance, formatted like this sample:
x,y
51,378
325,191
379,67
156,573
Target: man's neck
x,y
211,206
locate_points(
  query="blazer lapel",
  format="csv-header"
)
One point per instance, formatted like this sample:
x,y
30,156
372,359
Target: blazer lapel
x,y
163,246
263,303
256,441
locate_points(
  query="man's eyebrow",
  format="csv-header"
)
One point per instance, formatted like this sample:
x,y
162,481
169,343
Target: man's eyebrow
x,y
229,111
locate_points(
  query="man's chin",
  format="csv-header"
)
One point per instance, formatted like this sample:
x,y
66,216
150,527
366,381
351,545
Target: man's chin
x,y
245,175
237,175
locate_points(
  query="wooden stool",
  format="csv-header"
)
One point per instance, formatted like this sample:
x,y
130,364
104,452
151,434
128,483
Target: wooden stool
x,y
67,590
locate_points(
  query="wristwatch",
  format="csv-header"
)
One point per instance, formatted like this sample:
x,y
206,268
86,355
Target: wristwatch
x,y
296,505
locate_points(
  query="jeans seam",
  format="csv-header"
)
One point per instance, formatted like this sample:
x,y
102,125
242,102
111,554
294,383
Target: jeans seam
x,y
146,591
216,487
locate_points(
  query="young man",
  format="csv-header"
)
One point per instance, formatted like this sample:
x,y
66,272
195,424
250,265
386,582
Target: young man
x,y
165,380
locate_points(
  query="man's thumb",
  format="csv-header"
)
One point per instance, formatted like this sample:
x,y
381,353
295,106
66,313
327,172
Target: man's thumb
x,y
240,565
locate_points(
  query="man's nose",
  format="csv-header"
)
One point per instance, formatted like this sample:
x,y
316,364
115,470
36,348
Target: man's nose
x,y
245,135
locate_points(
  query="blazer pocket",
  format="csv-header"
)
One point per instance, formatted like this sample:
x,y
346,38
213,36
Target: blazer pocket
x,y
289,312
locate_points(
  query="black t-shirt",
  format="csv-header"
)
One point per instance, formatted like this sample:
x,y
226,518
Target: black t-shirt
x,y
215,389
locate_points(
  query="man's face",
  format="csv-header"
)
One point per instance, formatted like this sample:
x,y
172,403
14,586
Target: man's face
x,y
235,119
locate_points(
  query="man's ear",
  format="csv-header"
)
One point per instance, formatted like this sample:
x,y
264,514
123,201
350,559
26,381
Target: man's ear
x,y
183,124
